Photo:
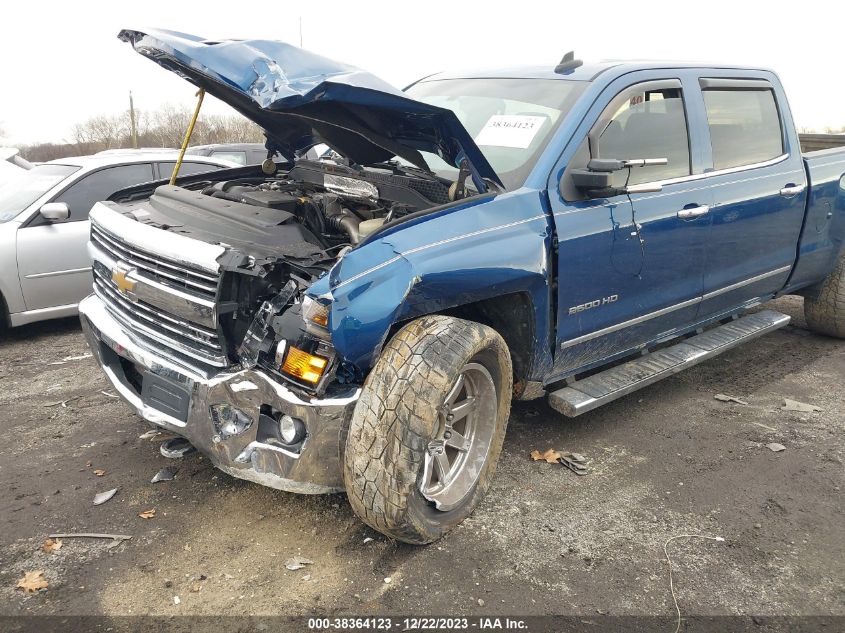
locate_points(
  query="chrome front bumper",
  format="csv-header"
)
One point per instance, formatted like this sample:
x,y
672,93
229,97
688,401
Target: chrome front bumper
x,y
315,469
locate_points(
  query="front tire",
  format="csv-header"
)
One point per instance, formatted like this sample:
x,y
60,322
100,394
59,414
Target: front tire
x,y
428,428
826,313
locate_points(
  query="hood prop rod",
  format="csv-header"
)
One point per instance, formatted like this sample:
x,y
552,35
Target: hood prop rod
x,y
188,133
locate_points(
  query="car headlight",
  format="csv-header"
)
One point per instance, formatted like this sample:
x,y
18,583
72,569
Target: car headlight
x,y
315,313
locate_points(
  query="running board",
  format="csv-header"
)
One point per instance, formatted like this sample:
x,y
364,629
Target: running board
x,y
584,395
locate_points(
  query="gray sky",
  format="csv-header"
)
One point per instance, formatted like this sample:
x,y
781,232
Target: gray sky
x,y
63,63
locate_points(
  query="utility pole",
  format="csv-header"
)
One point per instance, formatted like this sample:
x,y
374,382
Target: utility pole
x,y
133,128
300,31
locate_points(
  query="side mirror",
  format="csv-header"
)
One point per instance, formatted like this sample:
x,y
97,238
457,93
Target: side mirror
x,y
596,180
55,211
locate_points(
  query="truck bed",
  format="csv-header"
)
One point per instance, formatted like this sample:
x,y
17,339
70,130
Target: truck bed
x,y
823,232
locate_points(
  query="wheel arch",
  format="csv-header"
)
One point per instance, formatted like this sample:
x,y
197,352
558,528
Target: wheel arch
x,y
5,321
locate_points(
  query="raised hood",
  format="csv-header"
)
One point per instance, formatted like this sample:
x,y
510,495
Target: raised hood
x,y
301,99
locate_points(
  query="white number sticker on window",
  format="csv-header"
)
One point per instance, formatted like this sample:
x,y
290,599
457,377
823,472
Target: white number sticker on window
x,y
510,130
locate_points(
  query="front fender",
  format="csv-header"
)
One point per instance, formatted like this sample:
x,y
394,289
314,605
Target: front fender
x,y
467,254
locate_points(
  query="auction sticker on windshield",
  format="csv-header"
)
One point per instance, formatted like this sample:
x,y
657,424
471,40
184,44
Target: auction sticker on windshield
x,y
510,130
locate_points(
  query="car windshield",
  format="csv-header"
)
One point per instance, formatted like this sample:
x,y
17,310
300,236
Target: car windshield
x,y
20,190
510,120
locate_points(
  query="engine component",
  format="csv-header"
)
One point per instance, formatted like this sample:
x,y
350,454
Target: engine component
x,y
351,187
369,226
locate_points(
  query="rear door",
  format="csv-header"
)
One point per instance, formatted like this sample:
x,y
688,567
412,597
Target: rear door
x,y
758,183
53,262
630,267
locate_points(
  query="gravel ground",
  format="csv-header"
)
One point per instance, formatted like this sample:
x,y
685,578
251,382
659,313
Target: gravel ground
x,y
666,461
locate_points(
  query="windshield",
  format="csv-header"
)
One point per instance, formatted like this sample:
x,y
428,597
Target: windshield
x,y
510,120
18,191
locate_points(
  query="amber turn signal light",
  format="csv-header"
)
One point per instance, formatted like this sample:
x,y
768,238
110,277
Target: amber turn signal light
x,y
304,366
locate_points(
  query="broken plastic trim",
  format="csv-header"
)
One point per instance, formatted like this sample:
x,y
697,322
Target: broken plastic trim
x,y
257,333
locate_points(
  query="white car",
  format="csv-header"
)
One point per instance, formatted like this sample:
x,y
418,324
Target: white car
x,y
44,265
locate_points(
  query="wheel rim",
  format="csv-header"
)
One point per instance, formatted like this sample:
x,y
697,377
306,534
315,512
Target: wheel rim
x,y
467,423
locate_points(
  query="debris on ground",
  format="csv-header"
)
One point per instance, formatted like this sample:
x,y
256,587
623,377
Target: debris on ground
x,y
157,435
165,474
775,447
551,456
575,462
51,545
147,514
297,562
114,537
102,497
99,472
32,581
368,539
176,600
800,407
68,359
718,539
176,447
721,397
63,403
109,395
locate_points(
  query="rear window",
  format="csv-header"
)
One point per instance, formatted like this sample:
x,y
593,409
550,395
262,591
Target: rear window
x,y
744,126
187,168
235,157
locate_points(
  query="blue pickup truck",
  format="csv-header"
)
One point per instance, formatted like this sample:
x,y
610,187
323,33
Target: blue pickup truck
x,y
363,321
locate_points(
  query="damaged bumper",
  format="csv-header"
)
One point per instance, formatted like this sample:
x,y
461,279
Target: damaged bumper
x,y
187,401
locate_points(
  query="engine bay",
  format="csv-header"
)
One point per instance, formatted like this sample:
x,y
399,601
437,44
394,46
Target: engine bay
x,y
306,215
282,231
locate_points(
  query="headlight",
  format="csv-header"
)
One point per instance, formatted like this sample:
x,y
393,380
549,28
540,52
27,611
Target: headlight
x,y
316,317
315,312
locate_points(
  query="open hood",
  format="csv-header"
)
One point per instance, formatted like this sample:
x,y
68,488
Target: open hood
x,y
301,99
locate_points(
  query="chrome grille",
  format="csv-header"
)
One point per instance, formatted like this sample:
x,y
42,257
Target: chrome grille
x,y
176,275
148,322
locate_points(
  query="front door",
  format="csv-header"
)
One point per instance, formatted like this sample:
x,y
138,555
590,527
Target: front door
x,y
53,263
630,266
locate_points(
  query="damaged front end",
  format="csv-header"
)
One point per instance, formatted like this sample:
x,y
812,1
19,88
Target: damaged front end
x,y
203,320
212,312
212,343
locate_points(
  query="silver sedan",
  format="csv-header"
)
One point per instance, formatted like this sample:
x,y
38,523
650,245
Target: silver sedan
x,y
44,265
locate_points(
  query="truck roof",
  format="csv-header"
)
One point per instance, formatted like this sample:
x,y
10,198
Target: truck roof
x,y
586,72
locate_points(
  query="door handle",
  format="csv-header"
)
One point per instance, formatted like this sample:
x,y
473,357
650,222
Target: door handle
x,y
791,190
694,212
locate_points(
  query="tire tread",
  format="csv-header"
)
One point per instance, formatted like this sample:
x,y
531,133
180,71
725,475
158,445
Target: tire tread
x,y
395,417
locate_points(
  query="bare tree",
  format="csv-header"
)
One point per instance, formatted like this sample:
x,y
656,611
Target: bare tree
x,y
101,132
164,127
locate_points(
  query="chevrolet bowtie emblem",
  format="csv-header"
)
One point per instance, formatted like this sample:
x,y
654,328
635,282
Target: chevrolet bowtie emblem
x,y
120,277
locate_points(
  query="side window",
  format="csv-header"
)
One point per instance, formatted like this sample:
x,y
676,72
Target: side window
x,y
744,126
235,157
187,168
645,121
82,195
